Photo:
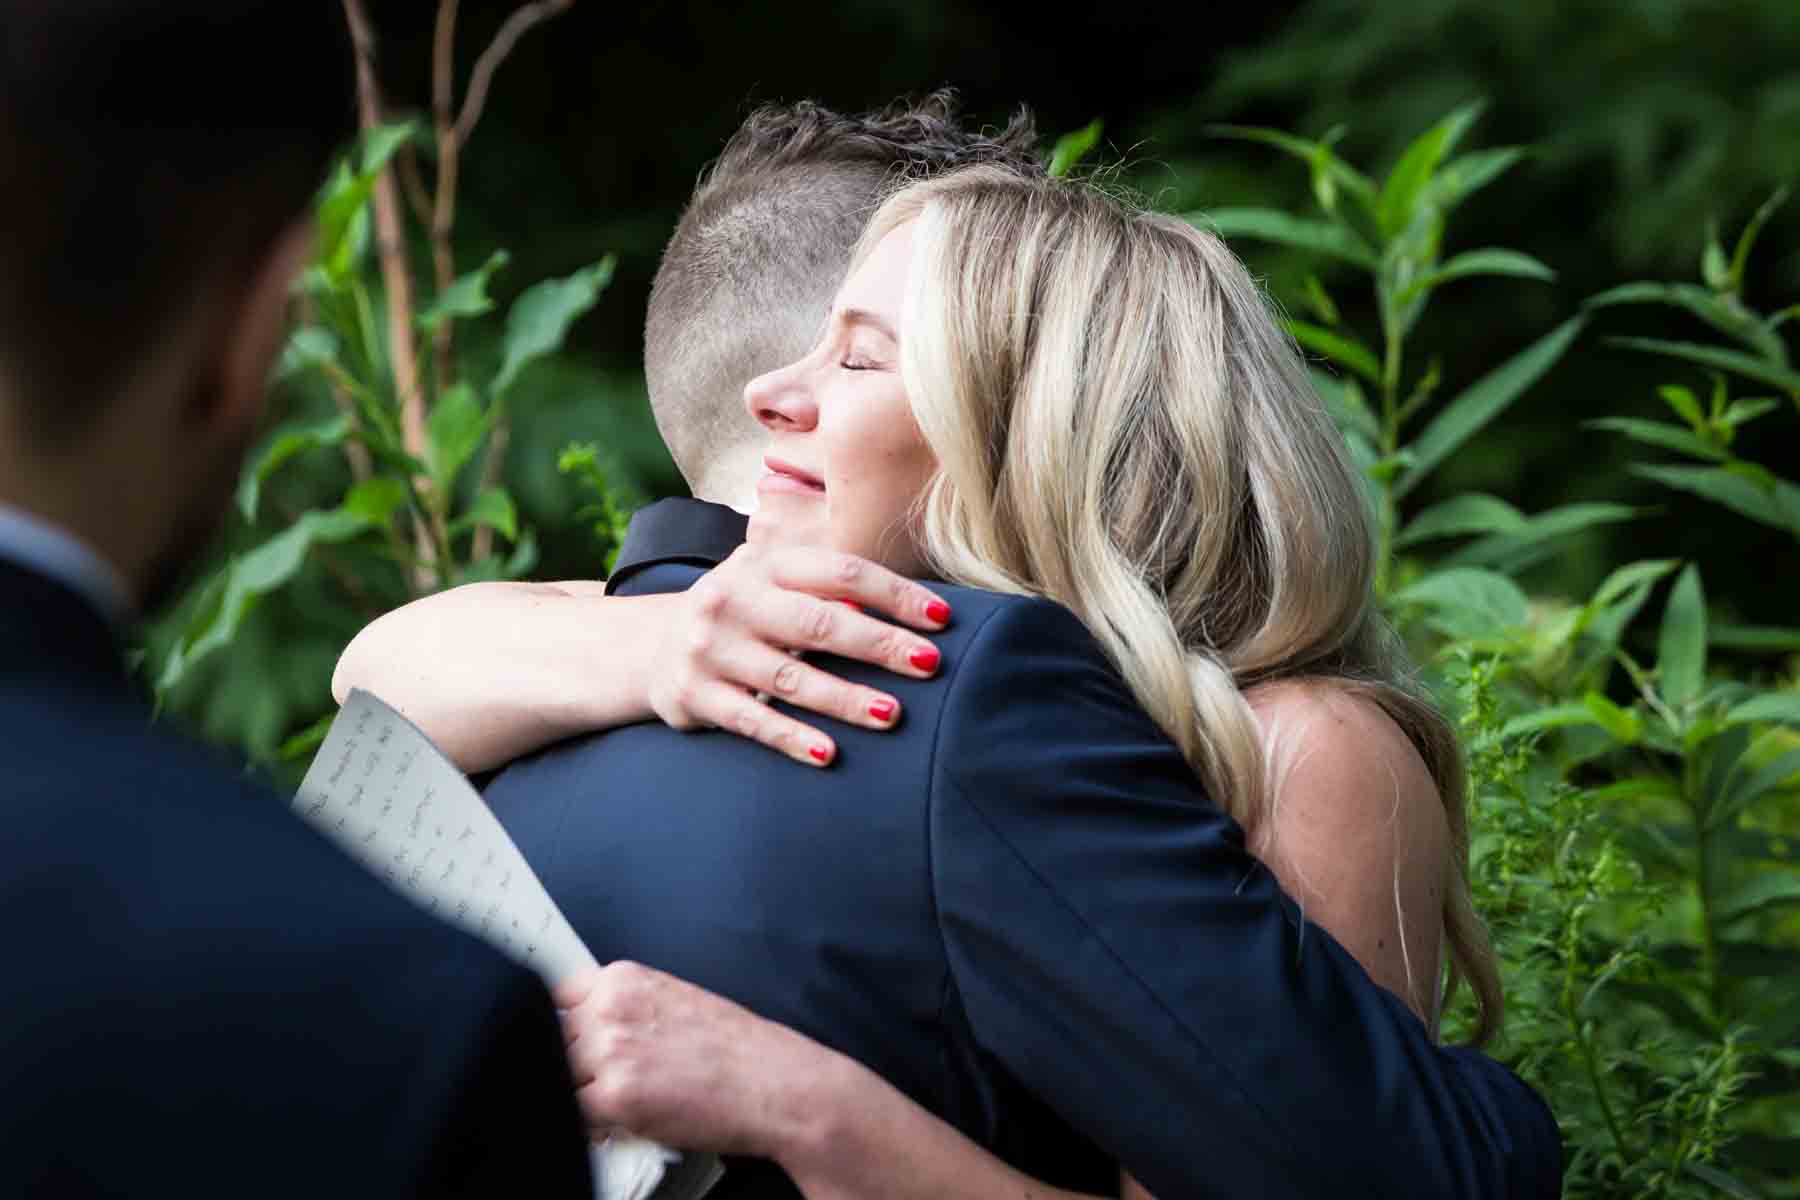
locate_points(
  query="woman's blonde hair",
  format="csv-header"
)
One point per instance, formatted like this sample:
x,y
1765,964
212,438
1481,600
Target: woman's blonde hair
x,y
1121,426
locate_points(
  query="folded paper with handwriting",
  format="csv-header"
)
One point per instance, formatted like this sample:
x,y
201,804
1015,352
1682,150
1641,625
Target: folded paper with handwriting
x,y
381,790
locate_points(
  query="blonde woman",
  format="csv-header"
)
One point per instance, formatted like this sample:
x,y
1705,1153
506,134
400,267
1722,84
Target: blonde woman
x,y
1028,388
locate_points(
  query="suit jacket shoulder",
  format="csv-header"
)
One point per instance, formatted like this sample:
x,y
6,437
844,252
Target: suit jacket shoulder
x,y
213,988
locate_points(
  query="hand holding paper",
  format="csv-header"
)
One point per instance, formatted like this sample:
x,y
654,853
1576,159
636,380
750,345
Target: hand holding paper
x,y
379,788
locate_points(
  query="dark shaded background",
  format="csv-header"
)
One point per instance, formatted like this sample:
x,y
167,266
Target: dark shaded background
x,y
1647,119
1650,117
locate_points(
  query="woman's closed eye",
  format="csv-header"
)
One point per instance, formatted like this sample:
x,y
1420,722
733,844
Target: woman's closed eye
x,y
855,362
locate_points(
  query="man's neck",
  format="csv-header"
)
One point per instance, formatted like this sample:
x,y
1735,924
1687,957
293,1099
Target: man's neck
x,y
78,526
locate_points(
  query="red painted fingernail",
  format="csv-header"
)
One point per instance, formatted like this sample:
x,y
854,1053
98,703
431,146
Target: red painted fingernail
x,y
820,753
937,611
882,710
925,658
851,604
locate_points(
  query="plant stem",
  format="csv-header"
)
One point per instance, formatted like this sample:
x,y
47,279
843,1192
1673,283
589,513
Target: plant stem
x,y
1709,937
1388,511
443,217
396,280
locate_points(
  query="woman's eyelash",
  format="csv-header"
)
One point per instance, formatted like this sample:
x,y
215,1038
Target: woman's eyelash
x,y
852,363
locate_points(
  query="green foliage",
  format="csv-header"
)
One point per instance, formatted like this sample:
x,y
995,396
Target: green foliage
x,y
1631,786
374,514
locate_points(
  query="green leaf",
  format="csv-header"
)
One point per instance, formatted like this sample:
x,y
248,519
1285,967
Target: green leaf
x,y
493,508
1511,553
1754,639
1320,301
375,500
1410,176
1624,725
1685,404
1340,348
1469,602
1472,512
1316,155
1763,890
1273,225
1777,508
1681,646
1492,261
1713,267
453,433
1740,257
1071,148
1485,399
247,579
1733,361
540,319
1742,412
309,348
1463,177
1724,313
1556,716
384,141
1660,433
342,217
285,445
1723,1181
1770,706
307,740
1344,401
1770,777
1632,575
467,297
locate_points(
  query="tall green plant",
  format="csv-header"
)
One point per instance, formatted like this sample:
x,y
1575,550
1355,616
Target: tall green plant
x,y
1393,233
1708,431
1632,808
400,472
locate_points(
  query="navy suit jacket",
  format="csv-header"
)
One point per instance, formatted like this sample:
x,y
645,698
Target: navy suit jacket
x,y
200,996
1021,909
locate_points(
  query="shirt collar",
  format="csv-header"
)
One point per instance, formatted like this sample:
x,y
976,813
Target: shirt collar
x,y
37,545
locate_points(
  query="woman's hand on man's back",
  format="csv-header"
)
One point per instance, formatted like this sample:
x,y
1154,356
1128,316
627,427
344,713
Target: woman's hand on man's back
x,y
733,640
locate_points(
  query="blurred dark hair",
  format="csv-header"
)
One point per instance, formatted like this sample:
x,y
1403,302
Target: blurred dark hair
x,y
764,242
151,150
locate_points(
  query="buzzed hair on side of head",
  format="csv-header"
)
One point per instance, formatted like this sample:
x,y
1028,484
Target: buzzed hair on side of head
x,y
749,274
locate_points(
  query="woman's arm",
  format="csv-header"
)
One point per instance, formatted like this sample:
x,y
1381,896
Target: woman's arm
x,y
673,1062
494,670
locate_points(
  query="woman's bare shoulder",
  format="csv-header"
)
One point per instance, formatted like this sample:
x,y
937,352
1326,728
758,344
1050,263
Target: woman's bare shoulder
x,y
1357,831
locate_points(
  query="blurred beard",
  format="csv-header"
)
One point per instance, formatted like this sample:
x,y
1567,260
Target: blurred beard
x,y
176,566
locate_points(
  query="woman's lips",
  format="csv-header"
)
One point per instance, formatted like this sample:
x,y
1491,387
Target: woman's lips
x,y
785,477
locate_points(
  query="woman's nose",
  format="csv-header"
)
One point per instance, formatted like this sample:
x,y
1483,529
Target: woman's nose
x,y
782,401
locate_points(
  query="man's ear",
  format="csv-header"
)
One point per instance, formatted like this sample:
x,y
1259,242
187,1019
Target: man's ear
x,y
251,334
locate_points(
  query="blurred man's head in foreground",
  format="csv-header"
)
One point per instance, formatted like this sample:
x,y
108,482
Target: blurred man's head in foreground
x,y
160,161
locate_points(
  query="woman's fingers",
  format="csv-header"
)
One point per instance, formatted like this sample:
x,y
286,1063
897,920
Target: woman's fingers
x,y
834,575
768,671
733,709
803,622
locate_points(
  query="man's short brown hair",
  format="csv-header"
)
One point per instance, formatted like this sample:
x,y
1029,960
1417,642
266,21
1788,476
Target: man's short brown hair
x,y
749,274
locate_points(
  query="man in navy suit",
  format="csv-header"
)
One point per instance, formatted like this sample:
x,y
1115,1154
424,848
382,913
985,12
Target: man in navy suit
x,y
1017,907
200,996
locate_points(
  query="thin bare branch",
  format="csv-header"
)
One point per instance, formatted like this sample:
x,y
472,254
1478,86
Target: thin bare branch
x,y
522,21
396,280
443,218
413,184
